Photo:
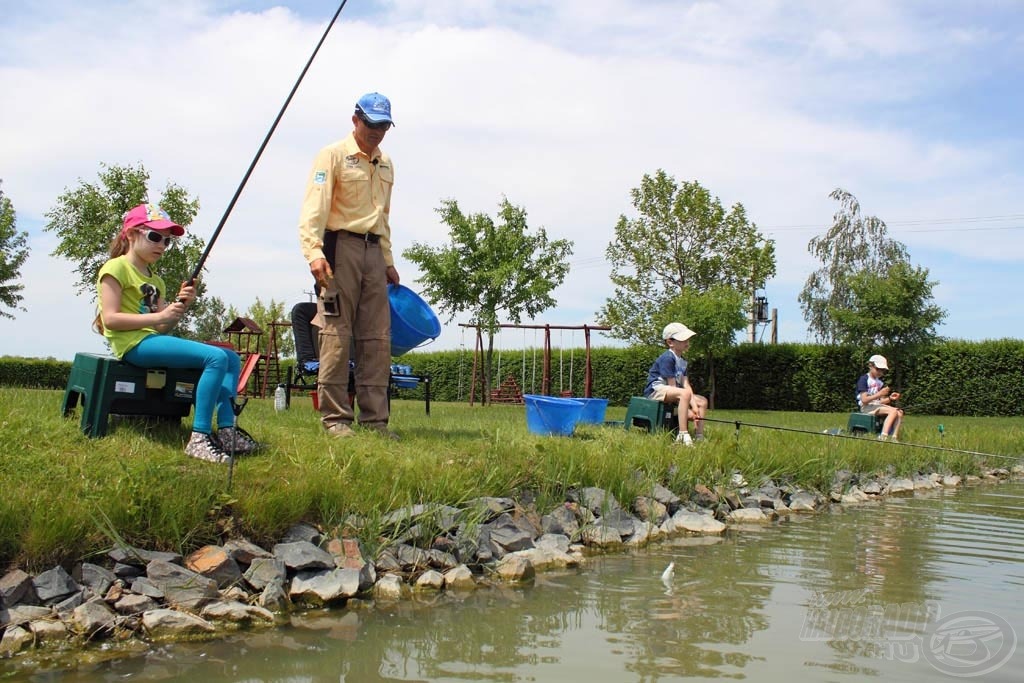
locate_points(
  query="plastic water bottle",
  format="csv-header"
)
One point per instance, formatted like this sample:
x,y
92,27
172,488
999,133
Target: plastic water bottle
x,y
280,398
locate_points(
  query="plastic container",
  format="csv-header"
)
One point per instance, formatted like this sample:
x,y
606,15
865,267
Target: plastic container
x,y
593,410
412,320
280,398
547,415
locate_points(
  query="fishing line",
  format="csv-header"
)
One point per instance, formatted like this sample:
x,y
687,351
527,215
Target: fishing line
x,y
739,423
259,153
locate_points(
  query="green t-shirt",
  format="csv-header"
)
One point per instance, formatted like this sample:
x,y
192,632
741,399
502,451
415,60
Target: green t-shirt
x,y
139,294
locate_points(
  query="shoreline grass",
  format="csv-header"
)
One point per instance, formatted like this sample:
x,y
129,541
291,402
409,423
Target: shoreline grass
x,y
65,496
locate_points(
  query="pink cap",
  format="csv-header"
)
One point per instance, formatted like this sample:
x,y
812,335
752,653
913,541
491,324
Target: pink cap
x,y
151,216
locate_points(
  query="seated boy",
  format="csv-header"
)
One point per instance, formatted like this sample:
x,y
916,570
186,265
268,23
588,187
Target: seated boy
x,y
874,398
667,382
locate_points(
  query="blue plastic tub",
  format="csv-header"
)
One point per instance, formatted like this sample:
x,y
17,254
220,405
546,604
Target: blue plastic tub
x,y
593,410
412,320
547,415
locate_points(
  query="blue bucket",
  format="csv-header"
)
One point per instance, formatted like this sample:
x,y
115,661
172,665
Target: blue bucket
x,y
412,321
593,410
552,416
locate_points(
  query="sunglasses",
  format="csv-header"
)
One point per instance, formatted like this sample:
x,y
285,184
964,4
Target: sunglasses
x,y
156,238
373,125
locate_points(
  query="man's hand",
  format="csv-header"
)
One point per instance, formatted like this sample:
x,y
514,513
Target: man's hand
x,y
392,276
322,272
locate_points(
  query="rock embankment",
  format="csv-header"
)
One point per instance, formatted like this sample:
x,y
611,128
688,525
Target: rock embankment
x,y
148,595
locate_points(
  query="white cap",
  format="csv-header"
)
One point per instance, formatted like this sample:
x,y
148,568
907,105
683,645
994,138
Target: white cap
x,y
677,331
879,362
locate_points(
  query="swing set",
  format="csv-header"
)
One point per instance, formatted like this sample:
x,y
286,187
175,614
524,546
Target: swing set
x,y
510,391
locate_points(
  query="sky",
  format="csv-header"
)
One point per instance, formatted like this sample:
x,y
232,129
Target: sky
x,y
561,106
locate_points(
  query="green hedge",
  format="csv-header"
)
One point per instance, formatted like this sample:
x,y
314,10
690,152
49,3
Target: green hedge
x,y
957,377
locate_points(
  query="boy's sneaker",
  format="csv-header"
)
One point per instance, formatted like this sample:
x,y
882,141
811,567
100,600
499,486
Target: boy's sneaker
x,y
204,447
237,440
883,437
684,438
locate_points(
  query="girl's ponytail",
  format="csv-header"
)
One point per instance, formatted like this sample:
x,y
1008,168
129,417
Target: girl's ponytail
x,y
118,247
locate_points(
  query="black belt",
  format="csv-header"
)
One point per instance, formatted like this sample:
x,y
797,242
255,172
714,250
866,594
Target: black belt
x,y
364,236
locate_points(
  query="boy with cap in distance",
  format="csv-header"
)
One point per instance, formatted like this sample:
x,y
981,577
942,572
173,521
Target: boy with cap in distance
x,y
667,382
874,398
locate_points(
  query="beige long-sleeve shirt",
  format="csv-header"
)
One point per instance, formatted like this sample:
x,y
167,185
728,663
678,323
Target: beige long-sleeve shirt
x,y
347,190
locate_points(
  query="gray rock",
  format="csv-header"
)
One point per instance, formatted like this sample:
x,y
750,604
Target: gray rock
x,y
390,587
854,496
650,510
595,499
48,631
128,571
54,585
748,516
803,501
387,562
92,618
901,485
561,520
274,598
15,640
16,589
137,557
488,508
236,613
542,558
134,604
693,522
367,577
410,558
23,614
264,571
430,580
558,542
74,600
924,483
441,560
324,587
432,518
244,552
182,586
303,556
459,577
951,480
96,577
168,623
619,520
506,533
601,536
872,488
143,586
666,497
514,568
302,532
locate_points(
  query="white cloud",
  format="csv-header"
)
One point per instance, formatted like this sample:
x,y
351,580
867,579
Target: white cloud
x,y
562,107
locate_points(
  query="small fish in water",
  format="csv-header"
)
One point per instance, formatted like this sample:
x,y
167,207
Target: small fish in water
x,y
669,573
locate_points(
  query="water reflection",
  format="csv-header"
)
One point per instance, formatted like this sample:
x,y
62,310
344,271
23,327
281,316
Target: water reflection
x,y
848,595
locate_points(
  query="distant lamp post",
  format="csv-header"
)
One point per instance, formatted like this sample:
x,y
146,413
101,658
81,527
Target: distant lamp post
x,y
761,309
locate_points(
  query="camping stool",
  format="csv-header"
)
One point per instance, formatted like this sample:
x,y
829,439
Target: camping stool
x,y
649,414
108,386
862,423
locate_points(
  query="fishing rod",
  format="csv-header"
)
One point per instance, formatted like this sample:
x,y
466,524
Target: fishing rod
x,y
739,423
259,153
245,179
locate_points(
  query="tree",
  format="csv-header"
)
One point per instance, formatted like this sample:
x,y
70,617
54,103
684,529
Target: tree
x,y
893,309
86,219
488,267
716,315
264,314
681,239
853,244
13,252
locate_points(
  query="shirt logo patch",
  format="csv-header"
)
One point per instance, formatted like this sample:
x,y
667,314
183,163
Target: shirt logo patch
x,y
351,161
320,177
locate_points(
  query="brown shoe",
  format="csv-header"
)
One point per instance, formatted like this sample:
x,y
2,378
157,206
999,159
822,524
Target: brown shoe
x,y
340,430
381,428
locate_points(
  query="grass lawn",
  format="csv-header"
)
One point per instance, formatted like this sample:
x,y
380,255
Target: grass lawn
x,y
65,497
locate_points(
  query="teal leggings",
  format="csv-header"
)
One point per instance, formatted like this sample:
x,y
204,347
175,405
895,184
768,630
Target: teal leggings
x,y
217,385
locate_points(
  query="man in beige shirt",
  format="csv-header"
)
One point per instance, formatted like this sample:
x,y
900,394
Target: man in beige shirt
x,y
346,238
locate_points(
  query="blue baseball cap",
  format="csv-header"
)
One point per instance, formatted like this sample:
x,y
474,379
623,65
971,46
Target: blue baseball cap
x,y
375,107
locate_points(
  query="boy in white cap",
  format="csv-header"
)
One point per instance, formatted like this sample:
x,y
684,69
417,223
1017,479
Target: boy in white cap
x,y
874,398
667,382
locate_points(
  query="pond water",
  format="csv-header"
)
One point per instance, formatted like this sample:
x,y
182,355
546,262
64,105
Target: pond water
x,y
912,589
